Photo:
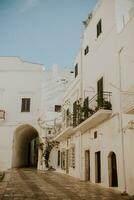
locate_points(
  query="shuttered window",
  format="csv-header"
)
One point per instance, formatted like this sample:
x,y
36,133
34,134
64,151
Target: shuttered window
x,y
63,161
100,92
72,156
76,70
58,158
25,105
99,28
86,50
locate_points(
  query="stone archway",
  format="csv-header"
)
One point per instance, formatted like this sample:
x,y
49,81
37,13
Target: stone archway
x,y
112,170
25,152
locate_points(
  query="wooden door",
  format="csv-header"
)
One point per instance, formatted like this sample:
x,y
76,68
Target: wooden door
x,y
112,168
100,92
98,167
87,165
67,162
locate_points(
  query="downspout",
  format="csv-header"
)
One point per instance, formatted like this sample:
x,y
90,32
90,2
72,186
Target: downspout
x,y
81,95
121,121
80,146
81,66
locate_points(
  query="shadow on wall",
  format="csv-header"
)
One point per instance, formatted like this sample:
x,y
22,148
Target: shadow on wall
x,y
25,151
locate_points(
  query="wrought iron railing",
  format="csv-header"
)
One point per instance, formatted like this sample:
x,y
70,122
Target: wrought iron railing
x,y
100,101
68,121
83,111
63,124
89,107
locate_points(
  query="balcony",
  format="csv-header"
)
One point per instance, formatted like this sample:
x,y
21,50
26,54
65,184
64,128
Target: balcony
x,y
2,115
94,111
86,115
97,118
63,129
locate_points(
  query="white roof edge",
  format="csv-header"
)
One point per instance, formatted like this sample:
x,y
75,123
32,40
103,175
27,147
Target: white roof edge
x,y
20,59
92,13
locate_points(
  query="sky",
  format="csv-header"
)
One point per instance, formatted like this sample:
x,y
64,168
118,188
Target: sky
x,y
43,31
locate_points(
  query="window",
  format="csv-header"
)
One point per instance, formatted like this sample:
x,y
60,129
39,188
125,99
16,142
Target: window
x,y
99,28
25,105
74,114
98,167
86,50
49,132
58,158
2,114
76,70
63,160
100,92
71,72
95,134
57,108
72,156
68,117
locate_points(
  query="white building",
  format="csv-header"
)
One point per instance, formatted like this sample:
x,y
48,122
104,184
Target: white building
x,y
20,91
54,84
97,135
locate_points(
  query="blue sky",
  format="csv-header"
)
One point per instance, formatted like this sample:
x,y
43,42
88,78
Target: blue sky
x,y
43,31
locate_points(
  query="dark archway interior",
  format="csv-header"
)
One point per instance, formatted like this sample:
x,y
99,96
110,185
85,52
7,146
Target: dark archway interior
x,y
113,170
25,152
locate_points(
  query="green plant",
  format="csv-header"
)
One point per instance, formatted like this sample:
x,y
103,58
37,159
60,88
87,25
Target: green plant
x,y
40,144
77,112
48,148
86,108
107,105
91,111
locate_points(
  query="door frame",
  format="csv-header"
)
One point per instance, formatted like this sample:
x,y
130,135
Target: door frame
x,y
98,167
110,170
67,161
87,165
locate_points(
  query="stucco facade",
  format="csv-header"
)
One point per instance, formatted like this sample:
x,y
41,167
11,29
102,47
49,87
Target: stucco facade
x,y
99,148
54,84
19,81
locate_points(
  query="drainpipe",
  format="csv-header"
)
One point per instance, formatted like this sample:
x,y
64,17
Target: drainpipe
x,y
81,95
80,146
81,76
121,121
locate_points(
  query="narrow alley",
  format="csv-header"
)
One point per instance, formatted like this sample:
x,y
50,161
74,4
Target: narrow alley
x,y
20,184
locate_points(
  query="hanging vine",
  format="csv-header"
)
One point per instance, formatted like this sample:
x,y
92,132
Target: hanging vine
x,y
49,144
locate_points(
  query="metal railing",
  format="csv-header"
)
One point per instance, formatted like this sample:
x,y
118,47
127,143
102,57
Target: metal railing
x,y
61,124
100,101
97,102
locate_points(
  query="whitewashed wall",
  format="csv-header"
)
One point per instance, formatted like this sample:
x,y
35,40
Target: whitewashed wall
x,y
18,79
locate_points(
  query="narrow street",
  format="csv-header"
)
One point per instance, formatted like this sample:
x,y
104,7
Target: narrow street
x,y
20,184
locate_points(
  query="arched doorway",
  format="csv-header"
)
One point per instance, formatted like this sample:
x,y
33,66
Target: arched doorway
x,y
25,151
112,169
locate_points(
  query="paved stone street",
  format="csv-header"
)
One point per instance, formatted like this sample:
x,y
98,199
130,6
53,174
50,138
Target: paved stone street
x,y
30,184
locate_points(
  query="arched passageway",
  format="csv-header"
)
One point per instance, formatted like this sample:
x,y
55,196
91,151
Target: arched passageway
x,y
112,168
25,151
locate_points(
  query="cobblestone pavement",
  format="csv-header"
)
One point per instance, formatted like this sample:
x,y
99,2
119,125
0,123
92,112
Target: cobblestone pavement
x,y
29,184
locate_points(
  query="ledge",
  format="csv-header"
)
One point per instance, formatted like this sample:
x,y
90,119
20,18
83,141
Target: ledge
x,y
64,134
96,119
99,117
